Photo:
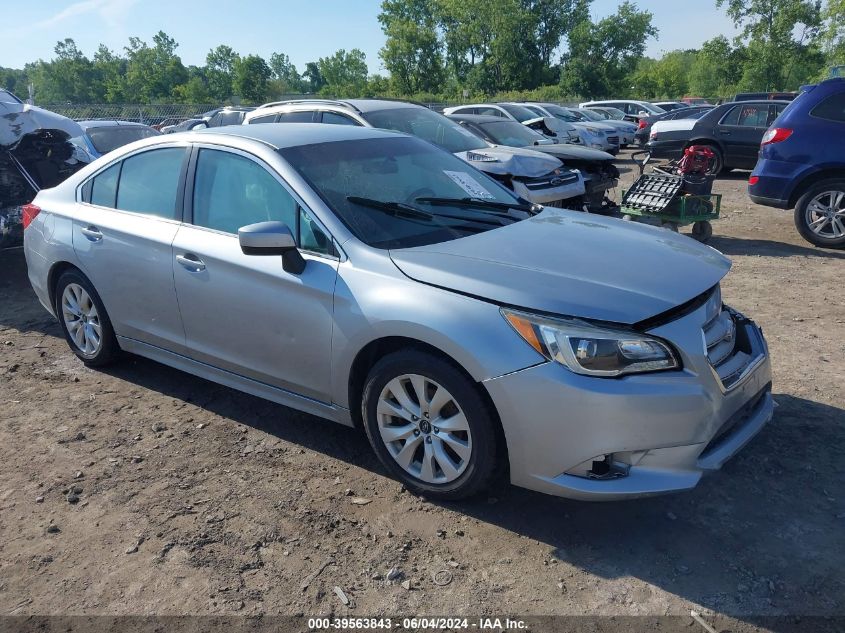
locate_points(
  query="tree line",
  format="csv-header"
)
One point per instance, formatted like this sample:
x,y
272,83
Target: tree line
x,y
439,50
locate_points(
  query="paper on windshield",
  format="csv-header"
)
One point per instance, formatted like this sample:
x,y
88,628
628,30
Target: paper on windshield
x,y
469,184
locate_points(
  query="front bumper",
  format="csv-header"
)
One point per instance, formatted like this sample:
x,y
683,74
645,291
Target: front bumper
x,y
663,430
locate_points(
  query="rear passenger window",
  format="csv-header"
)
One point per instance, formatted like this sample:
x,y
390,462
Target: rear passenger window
x,y
301,116
104,187
832,108
337,119
268,118
149,182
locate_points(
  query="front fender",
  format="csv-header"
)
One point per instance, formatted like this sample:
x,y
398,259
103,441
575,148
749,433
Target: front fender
x,y
370,305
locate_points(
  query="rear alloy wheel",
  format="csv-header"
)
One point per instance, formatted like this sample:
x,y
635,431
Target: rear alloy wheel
x,y
84,321
820,214
429,426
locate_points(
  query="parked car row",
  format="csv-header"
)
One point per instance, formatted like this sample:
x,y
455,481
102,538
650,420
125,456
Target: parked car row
x,y
390,284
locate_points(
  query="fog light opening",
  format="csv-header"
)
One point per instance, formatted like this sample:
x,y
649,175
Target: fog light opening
x,y
607,468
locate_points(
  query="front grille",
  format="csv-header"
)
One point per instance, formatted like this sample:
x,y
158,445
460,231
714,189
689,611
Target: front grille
x,y
549,181
728,349
613,140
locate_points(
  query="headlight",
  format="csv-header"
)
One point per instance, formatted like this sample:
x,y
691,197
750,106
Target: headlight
x,y
593,130
592,350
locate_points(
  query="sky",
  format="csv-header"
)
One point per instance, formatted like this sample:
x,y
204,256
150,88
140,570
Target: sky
x,y
305,31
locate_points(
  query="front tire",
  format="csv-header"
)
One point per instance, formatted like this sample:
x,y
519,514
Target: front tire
x,y
820,214
430,426
84,320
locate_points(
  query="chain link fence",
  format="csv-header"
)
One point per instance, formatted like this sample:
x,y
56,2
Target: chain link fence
x,y
164,114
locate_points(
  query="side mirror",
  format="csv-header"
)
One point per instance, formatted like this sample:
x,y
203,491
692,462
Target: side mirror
x,y
272,238
199,125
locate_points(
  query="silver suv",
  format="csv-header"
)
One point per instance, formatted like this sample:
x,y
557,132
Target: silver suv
x,y
371,278
534,176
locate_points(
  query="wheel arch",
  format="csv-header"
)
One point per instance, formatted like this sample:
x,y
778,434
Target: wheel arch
x,y
829,173
56,271
376,349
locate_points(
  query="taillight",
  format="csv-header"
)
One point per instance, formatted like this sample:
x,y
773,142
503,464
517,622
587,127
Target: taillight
x,y
641,124
753,180
776,135
29,212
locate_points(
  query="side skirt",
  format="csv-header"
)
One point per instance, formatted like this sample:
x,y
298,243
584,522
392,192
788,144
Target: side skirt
x,y
235,381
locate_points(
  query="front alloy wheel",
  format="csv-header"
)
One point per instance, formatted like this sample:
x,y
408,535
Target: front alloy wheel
x,y
431,426
424,429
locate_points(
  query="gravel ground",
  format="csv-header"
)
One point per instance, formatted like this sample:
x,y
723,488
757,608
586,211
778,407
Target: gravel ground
x,y
143,490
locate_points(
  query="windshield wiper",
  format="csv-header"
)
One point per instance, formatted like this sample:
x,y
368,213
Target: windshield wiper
x,y
399,209
481,204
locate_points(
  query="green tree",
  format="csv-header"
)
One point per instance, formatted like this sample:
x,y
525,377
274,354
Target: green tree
x,y
153,72
833,39
717,68
602,55
285,73
251,79
313,78
219,70
412,51
782,40
110,71
68,77
345,74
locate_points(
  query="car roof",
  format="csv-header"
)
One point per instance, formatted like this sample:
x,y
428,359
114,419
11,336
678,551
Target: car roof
x,y
281,135
358,105
94,123
479,118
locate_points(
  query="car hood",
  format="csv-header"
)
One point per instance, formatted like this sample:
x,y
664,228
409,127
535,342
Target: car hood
x,y
567,151
674,125
19,119
605,127
573,264
514,161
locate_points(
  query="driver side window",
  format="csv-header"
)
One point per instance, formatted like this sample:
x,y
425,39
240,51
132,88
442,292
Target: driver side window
x,y
231,191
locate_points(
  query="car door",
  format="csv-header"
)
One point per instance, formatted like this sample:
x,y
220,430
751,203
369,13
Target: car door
x,y
122,234
245,313
740,131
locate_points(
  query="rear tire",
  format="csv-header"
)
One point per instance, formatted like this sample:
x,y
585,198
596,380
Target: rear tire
x,y
820,214
84,320
718,161
702,231
430,426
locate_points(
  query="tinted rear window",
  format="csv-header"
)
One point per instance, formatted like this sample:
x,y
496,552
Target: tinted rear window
x,y
107,138
832,108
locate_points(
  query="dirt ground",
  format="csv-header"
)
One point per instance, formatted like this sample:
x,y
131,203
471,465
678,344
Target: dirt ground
x,y
143,490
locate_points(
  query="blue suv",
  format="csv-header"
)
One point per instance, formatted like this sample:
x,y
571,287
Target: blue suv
x,y
802,164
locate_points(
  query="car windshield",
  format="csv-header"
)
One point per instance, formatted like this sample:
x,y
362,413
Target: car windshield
x,y
614,113
510,133
518,112
562,113
105,139
426,124
401,192
589,114
8,97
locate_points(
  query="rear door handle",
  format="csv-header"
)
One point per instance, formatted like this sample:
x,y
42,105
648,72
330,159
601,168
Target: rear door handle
x,y
92,233
191,262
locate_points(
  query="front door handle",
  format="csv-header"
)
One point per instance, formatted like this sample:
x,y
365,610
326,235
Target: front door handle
x,y
92,233
191,262
725,132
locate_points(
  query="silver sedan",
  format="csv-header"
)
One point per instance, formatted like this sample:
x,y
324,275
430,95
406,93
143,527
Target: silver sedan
x,y
369,277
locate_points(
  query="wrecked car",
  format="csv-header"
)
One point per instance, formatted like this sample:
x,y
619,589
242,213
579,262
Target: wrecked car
x,y
534,176
600,174
35,154
544,123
